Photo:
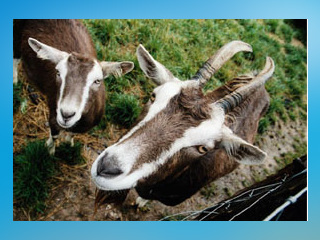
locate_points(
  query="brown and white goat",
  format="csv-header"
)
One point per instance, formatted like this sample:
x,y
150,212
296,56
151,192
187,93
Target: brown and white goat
x,y
59,58
186,139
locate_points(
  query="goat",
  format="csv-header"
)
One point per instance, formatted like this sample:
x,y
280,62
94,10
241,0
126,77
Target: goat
x,y
185,139
59,58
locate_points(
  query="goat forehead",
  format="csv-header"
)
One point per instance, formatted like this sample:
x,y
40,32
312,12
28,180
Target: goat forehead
x,y
79,68
172,111
164,95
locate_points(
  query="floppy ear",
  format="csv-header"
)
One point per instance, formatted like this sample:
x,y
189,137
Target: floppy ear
x,y
242,151
152,68
116,69
46,52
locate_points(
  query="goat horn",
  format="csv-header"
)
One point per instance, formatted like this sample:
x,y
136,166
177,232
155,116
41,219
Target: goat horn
x,y
215,62
235,98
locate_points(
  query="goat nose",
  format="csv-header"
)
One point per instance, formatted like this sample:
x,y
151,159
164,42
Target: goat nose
x,y
67,114
107,169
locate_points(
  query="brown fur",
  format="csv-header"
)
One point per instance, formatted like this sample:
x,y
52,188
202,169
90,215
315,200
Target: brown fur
x,y
185,110
187,171
66,35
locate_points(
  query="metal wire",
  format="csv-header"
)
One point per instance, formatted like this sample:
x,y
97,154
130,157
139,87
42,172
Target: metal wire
x,y
245,196
289,201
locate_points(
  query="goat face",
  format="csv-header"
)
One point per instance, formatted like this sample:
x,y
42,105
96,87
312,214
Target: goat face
x,y
79,79
179,125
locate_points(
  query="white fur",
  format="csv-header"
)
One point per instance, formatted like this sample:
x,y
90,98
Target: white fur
x,y
51,144
70,104
141,202
69,138
16,62
161,74
164,93
127,153
46,52
62,67
232,143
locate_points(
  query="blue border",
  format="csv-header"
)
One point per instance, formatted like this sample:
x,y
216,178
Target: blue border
x,y
158,9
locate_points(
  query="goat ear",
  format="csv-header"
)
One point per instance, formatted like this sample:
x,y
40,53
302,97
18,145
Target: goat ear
x,y
153,69
242,151
46,52
116,69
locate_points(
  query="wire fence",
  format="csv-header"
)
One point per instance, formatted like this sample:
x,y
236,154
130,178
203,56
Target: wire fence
x,y
259,192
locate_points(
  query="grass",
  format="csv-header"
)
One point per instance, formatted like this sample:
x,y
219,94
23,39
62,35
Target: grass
x,y
300,149
122,109
34,167
208,191
183,45
68,154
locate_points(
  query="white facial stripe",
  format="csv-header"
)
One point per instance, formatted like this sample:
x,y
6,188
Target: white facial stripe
x,y
164,94
71,104
193,136
94,74
62,67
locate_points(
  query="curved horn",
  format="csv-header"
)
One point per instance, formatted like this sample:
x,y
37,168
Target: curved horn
x,y
235,98
215,62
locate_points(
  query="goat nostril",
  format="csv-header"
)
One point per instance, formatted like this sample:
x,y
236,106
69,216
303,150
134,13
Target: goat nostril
x,y
107,169
112,172
67,115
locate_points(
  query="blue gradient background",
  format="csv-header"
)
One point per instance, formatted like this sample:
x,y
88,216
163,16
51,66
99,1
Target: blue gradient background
x,y
162,9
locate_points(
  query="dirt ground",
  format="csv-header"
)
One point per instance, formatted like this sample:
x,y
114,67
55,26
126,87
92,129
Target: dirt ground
x,y
72,192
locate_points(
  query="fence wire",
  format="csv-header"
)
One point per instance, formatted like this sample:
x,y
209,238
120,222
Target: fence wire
x,y
262,191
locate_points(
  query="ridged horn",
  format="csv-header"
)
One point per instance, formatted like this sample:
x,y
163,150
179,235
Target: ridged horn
x,y
238,96
215,62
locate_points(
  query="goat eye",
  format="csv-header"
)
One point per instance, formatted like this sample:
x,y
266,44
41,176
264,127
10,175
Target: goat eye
x,y
202,149
97,81
58,74
153,97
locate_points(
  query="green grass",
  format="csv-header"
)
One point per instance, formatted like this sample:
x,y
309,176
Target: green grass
x,y
122,109
70,154
183,45
300,149
34,167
